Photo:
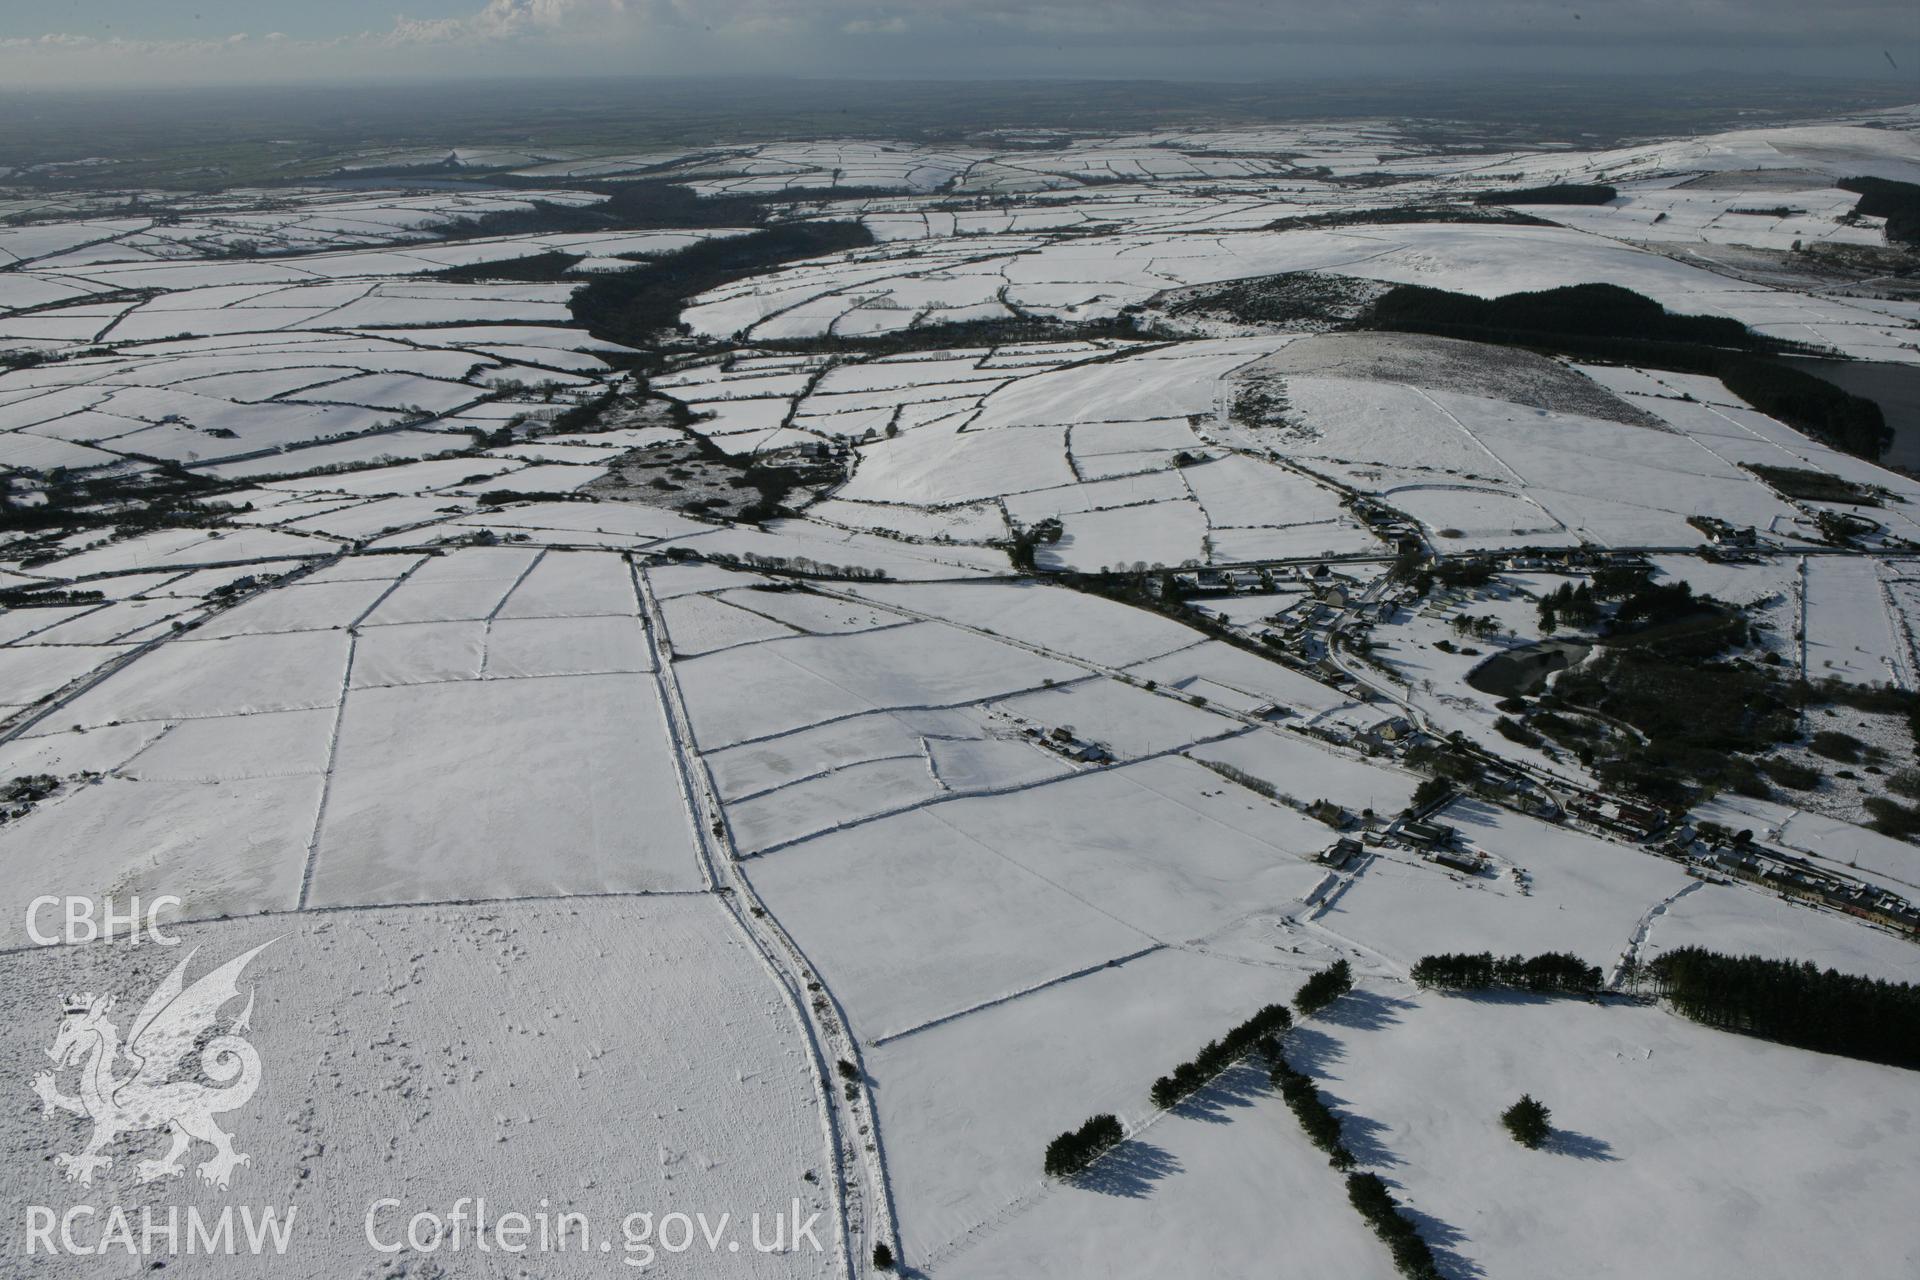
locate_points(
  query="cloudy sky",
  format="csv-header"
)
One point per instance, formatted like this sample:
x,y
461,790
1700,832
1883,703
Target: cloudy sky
x,y
120,42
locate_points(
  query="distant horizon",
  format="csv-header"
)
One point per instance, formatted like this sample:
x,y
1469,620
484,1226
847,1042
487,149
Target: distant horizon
x,y
1319,78
269,133
113,43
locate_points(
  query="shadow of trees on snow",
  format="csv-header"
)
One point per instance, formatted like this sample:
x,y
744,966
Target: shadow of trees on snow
x,y
1238,1087
1129,1170
1581,1146
1362,1010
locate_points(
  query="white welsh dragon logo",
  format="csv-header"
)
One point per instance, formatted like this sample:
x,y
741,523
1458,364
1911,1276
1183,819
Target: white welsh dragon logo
x,y
175,1020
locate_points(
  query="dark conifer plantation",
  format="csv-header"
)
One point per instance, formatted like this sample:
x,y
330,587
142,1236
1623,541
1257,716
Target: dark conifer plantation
x,y
1795,1003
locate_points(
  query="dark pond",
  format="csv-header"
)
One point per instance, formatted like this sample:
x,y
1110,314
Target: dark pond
x,y
1894,387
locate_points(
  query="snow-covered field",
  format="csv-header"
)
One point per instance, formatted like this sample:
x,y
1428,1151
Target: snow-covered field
x,y
594,1056
1674,1145
1850,634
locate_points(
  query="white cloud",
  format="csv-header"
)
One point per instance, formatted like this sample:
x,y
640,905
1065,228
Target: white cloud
x,y
892,26
542,21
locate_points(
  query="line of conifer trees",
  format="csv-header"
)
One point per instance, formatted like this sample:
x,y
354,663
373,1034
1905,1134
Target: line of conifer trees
x,y
1376,1204
1303,1098
1323,988
1551,973
1218,1055
1795,1002
1075,1149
